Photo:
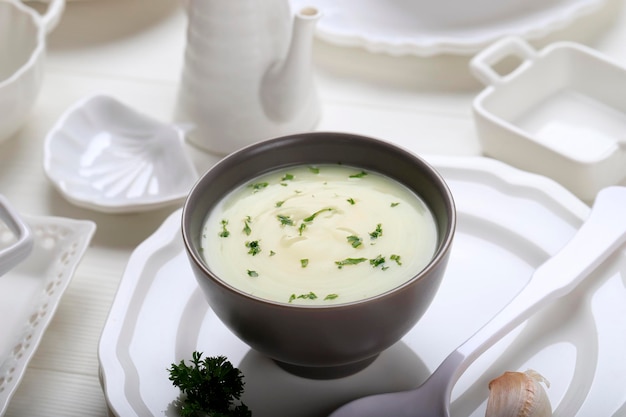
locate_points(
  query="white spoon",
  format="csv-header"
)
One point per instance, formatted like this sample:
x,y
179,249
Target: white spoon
x,y
600,236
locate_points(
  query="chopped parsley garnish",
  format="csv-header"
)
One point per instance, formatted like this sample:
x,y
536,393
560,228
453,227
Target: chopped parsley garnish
x,y
258,186
285,220
359,175
331,296
254,247
349,261
272,253
252,274
224,232
304,263
314,215
287,177
309,296
396,258
351,201
314,170
378,232
246,225
279,203
394,204
377,261
309,219
355,241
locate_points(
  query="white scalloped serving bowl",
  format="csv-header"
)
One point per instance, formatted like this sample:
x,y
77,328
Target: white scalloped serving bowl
x,y
105,156
426,28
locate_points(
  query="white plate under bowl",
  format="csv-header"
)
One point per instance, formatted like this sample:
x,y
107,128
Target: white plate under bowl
x,y
510,222
425,27
31,292
104,155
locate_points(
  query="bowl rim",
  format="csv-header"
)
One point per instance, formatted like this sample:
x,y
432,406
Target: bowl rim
x,y
37,52
438,258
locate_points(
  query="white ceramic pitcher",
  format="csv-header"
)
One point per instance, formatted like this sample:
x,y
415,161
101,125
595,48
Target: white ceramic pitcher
x,y
247,73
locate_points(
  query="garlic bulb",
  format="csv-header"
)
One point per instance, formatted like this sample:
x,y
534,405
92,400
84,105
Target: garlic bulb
x,y
518,394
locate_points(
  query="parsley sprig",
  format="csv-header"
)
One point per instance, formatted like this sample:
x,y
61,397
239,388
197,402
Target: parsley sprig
x,y
210,387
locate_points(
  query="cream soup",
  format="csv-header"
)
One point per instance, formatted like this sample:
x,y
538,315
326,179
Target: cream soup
x,y
319,235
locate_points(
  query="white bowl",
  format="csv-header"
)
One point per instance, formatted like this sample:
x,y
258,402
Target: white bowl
x,y
560,113
23,34
105,156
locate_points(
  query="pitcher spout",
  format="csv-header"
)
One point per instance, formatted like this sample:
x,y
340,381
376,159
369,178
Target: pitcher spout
x,y
289,83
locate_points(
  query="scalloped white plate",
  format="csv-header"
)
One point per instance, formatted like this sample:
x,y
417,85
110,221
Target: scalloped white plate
x,y
510,222
426,27
31,292
106,156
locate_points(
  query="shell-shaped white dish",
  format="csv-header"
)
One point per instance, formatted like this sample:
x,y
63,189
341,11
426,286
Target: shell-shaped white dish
x,y
105,156
426,28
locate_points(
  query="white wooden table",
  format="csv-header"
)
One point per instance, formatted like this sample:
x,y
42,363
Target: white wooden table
x,y
133,50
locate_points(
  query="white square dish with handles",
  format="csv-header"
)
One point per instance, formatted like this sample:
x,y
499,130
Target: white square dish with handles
x,y
560,112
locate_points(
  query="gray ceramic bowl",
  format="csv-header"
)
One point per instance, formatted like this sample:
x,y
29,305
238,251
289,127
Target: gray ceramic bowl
x,y
321,341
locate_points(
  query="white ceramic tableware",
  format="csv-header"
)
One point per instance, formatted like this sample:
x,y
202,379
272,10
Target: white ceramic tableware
x,y
23,34
106,156
343,337
561,112
509,220
31,292
603,232
250,79
460,27
17,243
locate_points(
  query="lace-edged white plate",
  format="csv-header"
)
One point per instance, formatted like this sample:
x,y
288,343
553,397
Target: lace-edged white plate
x,y
30,293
